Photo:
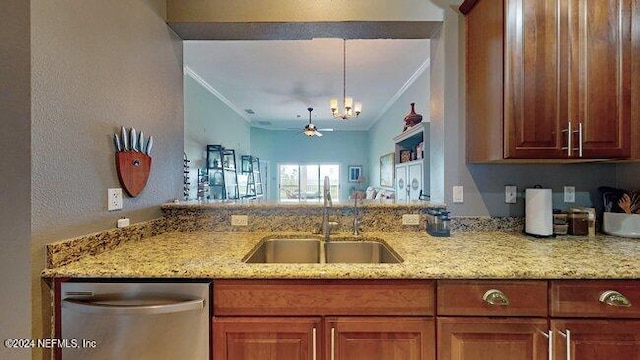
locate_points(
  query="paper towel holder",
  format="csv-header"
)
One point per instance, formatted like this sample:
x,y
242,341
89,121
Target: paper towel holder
x,y
551,234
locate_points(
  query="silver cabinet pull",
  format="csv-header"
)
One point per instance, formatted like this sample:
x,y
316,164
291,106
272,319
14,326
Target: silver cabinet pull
x,y
313,344
580,139
495,297
549,336
333,343
569,146
567,336
614,298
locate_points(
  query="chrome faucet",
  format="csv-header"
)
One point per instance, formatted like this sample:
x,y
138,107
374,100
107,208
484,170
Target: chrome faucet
x,y
327,203
356,221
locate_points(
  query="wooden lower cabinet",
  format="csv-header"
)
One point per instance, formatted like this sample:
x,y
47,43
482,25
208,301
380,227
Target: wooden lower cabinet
x,y
385,338
264,338
341,338
469,338
596,339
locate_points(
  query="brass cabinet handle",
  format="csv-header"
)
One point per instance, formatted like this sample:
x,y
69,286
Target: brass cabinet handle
x,y
614,298
495,297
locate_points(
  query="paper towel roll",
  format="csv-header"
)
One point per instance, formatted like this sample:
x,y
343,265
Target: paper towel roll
x,y
538,212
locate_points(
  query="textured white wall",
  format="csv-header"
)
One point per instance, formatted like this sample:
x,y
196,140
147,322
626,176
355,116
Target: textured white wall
x,y
207,120
392,122
15,111
98,65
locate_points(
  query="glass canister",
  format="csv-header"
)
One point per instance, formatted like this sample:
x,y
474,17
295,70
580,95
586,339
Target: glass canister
x,y
578,223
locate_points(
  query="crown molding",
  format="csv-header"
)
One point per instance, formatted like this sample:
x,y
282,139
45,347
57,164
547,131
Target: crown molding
x,y
216,93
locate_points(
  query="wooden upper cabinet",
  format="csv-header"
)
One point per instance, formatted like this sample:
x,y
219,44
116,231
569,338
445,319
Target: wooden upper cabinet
x,y
600,75
534,78
548,79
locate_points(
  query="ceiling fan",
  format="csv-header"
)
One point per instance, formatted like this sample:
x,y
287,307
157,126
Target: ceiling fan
x,y
310,129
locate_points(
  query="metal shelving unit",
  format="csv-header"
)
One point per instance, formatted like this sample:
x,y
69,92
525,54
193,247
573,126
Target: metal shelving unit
x,y
221,169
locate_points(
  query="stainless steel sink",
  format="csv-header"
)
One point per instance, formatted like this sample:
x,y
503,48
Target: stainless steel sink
x,y
373,252
286,251
315,251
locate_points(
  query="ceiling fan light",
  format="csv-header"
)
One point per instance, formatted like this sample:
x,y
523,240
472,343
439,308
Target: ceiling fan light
x,y
309,132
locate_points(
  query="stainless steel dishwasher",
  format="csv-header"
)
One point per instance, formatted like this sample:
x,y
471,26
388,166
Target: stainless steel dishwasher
x,y
141,321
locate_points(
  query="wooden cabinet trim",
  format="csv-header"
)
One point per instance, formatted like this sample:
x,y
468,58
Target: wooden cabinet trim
x,y
323,297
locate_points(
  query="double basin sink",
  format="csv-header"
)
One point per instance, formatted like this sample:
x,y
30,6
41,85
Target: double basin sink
x,y
318,251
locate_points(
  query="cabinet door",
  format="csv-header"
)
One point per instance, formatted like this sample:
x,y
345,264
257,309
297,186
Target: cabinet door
x,y
380,338
492,339
596,339
535,110
266,338
414,182
600,76
401,183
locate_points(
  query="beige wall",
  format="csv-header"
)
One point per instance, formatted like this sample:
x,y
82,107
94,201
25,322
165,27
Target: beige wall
x,y
301,10
98,65
15,109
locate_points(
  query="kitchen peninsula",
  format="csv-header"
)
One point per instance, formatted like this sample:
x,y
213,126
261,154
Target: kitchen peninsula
x,y
497,286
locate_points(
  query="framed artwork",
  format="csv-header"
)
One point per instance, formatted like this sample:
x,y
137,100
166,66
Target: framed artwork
x,y
386,170
355,171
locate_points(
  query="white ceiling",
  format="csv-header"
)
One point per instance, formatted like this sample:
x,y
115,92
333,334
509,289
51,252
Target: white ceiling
x,y
279,79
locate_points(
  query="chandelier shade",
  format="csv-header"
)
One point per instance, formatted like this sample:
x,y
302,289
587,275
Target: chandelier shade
x,y
349,109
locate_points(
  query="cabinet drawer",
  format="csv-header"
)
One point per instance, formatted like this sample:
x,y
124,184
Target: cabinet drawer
x,y
582,298
492,298
323,297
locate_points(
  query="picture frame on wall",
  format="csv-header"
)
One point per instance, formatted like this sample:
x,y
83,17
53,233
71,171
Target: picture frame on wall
x,y
355,171
386,170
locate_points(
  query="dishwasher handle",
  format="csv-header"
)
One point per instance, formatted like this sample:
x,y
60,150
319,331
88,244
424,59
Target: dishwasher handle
x,y
88,306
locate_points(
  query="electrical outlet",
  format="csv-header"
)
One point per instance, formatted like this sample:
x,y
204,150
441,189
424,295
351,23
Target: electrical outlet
x,y
569,194
411,219
239,220
458,194
510,194
114,199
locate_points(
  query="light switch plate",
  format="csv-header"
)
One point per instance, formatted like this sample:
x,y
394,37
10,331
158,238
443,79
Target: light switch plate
x,y
458,194
569,194
239,220
411,219
510,194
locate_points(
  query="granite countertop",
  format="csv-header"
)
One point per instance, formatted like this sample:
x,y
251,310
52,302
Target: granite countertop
x,y
465,255
364,203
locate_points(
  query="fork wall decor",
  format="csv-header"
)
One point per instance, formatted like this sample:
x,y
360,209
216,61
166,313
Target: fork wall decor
x,y
133,160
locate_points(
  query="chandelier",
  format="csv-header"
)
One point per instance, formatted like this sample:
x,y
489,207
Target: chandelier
x,y
349,109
